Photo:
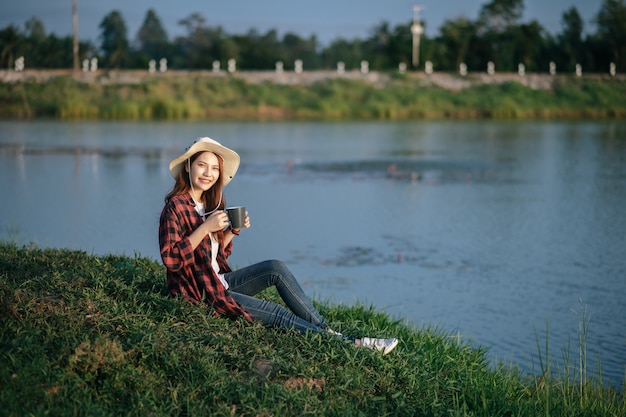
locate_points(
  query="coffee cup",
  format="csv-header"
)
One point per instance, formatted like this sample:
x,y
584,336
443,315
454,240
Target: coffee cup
x,y
237,216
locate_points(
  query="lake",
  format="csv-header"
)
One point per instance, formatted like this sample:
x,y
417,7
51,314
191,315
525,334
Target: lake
x,y
496,233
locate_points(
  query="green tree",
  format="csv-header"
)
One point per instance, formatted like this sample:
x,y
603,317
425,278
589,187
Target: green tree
x,y
611,21
9,38
296,47
350,52
401,46
376,45
571,39
35,29
431,49
189,47
152,38
500,15
32,45
455,39
203,44
39,49
499,33
529,44
260,52
58,52
387,47
114,40
45,51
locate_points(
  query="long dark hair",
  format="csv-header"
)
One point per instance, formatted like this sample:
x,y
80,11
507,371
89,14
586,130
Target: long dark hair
x,y
212,198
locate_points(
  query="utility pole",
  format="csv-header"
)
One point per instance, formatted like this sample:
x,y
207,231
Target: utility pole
x,y
75,30
416,29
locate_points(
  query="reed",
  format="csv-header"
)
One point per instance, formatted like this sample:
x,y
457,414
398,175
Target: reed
x,y
206,97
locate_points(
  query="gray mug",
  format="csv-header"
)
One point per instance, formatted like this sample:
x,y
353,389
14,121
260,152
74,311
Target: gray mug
x,y
237,216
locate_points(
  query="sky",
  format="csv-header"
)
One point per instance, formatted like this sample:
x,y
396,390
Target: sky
x,y
327,19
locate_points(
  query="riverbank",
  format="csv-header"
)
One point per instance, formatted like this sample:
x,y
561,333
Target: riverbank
x,y
448,81
89,335
328,95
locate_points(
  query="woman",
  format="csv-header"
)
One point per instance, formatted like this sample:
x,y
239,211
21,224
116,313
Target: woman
x,y
196,239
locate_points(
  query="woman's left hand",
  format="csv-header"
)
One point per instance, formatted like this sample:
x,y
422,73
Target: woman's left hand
x,y
246,224
246,221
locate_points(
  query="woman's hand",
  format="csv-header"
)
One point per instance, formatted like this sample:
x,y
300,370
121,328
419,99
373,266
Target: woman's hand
x,y
246,224
216,221
246,221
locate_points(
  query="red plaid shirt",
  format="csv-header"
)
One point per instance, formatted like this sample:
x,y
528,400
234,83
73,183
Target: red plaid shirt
x,y
189,272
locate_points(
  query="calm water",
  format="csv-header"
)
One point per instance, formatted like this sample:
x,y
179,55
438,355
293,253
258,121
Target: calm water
x,y
490,231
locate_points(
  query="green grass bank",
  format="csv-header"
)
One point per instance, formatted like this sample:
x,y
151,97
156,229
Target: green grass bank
x,y
204,96
99,336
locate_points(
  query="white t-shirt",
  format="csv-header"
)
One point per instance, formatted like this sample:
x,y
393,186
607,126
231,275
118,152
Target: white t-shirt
x,y
215,246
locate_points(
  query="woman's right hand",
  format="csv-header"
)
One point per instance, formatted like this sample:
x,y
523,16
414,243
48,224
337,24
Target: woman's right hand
x,y
216,221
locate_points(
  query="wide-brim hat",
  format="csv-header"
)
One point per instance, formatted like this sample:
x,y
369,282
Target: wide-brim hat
x,y
230,158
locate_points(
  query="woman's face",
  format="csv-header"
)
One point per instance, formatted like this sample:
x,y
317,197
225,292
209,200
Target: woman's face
x,y
205,172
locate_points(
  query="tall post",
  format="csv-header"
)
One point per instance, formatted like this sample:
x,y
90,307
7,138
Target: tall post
x,y
75,30
416,29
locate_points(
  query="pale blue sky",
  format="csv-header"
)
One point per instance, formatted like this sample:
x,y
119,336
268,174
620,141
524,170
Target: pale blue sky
x,y
328,19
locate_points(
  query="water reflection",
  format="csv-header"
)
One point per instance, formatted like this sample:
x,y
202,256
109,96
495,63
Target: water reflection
x,y
488,230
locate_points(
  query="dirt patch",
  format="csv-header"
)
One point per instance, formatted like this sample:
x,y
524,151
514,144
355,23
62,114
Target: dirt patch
x,y
314,384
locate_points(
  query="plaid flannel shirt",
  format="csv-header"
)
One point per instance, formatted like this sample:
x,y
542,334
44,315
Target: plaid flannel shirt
x,y
189,272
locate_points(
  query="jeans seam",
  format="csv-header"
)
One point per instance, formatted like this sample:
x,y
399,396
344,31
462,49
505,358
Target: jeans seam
x,y
292,293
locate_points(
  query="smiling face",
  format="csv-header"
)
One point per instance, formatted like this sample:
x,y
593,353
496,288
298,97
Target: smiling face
x,y
205,172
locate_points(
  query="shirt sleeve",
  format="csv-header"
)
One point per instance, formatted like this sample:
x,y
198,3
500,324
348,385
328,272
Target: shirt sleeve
x,y
228,249
176,249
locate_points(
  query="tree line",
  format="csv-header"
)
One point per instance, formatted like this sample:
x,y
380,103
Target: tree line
x,y
498,36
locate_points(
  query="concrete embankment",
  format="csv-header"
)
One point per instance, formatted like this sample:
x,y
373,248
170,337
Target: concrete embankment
x,y
450,81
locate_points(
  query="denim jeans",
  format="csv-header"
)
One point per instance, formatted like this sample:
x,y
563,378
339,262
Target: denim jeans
x,y
247,282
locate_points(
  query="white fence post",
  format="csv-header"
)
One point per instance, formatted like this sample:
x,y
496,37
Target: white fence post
x,y
428,67
298,66
19,64
163,65
365,67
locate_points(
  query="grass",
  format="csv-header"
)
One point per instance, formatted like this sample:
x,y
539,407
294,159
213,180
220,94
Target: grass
x,y
99,336
201,97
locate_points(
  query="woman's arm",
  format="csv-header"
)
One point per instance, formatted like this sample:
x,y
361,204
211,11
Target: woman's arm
x,y
175,249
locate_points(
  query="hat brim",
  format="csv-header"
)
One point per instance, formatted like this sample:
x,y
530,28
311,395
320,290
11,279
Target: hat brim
x,y
230,158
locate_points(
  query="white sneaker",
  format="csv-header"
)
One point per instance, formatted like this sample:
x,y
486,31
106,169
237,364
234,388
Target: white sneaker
x,y
334,333
383,345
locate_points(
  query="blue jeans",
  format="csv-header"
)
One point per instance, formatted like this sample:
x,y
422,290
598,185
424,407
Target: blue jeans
x,y
247,282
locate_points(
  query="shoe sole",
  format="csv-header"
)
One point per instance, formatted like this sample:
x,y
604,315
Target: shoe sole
x,y
390,347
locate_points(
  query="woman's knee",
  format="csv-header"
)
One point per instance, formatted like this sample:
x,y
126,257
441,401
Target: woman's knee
x,y
275,266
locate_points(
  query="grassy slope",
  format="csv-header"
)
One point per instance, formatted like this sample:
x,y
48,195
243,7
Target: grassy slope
x,y
194,97
87,335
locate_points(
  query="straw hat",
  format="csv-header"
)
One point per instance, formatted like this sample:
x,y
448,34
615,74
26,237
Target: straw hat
x,y
230,157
